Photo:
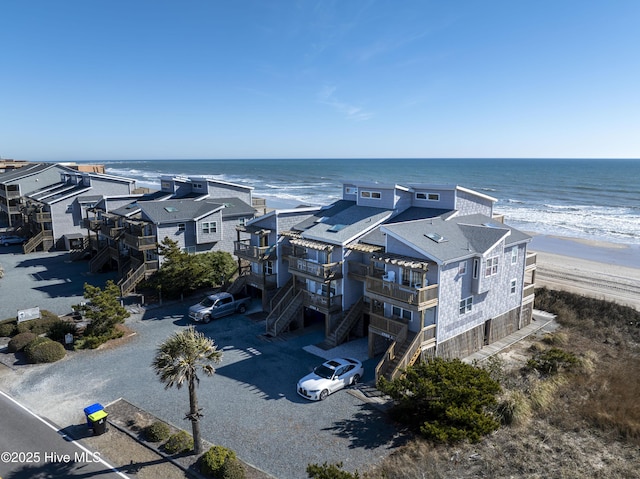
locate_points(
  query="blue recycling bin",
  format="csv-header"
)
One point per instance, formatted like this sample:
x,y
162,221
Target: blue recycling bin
x,y
94,408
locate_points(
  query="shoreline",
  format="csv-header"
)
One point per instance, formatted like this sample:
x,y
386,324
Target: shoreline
x,y
609,271
598,251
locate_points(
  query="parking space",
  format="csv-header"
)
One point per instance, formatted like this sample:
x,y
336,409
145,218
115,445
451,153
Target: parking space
x,y
250,405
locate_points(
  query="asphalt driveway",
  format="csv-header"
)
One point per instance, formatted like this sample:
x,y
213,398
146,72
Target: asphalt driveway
x,y
250,405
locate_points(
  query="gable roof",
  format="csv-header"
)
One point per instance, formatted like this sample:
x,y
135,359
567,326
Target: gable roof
x,y
171,211
450,240
233,206
184,209
27,170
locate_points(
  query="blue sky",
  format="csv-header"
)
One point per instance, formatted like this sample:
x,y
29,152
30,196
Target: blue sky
x,y
129,79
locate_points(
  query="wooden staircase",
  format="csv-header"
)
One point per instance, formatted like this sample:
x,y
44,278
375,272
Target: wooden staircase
x,y
288,309
138,272
99,260
44,239
238,284
341,331
133,277
79,253
280,294
405,353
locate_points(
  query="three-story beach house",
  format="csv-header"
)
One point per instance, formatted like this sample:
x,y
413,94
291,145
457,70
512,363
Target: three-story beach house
x,y
419,269
199,214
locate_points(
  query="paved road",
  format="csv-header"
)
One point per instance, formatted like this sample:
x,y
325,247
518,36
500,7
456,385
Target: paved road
x,y
31,447
250,405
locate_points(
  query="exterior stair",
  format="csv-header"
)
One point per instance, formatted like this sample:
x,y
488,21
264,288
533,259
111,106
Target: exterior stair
x,y
342,329
44,239
393,357
238,284
405,353
80,252
99,260
133,277
288,309
280,294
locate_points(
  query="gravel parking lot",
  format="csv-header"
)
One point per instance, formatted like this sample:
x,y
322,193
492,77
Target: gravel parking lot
x,y
250,405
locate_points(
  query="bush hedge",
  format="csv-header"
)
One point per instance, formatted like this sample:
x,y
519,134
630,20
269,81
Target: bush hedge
x,y
44,350
59,329
157,432
232,469
7,328
213,460
19,341
178,443
40,325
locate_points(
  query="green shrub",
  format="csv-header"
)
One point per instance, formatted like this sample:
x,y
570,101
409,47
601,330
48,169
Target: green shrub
x,y
232,468
44,350
178,443
40,325
92,342
20,340
329,471
212,461
157,432
7,328
59,329
444,400
552,361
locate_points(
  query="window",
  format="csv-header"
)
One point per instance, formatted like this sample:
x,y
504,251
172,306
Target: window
x,y
462,268
428,196
401,313
268,267
242,221
514,284
210,227
466,305
181,227
476,267
371,194
197,186
492,266
350,190
514,255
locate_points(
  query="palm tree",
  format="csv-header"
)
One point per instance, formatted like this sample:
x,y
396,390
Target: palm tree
x,y
177,361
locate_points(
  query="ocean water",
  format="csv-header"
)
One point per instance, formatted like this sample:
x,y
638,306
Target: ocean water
x,y
590,199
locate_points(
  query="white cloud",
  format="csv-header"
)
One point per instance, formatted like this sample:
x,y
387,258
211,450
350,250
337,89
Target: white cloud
x,y
351,112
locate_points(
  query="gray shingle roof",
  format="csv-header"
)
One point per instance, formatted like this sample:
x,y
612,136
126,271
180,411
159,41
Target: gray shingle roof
x,y
189,209
378,238
18,173
233,207
345,223
461,236
329,211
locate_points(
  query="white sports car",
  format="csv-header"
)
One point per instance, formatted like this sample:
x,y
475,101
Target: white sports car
x,y
330,377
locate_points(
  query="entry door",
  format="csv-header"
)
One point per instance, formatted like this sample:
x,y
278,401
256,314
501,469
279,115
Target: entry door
x,y
487,331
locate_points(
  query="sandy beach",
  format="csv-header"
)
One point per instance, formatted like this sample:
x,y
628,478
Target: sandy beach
x,y
597,269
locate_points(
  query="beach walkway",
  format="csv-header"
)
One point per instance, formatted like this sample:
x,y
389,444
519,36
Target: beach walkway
x,y
541,320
